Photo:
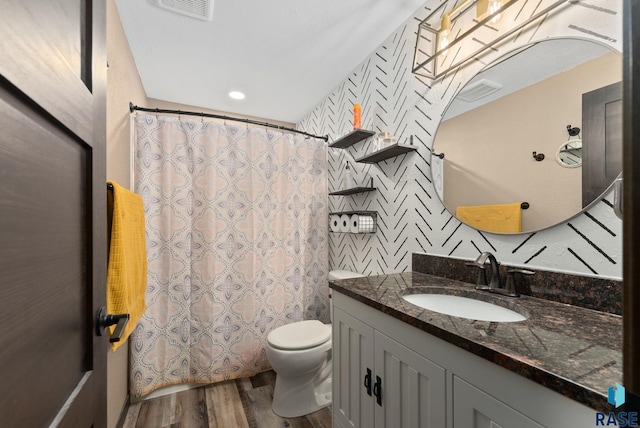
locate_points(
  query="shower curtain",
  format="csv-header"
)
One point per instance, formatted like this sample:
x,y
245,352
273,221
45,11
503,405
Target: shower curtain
x,y
236,224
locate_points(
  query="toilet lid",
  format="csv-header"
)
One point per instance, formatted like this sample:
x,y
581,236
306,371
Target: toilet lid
x,y
300,335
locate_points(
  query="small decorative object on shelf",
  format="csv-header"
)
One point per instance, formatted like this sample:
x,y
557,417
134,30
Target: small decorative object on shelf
x,y
351,138
353,222
357,116
384,139
347,178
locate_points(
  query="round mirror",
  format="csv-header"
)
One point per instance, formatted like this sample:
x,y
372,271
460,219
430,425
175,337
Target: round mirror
x,y
493,156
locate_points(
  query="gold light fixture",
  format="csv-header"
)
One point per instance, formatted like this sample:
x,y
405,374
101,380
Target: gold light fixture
x,y
494,6
444,33
437,37
445,27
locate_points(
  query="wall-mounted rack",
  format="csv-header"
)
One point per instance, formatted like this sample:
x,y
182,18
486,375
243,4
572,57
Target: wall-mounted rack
x,y
354,190
366,222
351,138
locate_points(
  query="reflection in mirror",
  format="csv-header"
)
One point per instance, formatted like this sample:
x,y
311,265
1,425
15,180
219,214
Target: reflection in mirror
x,y
569,153
521,104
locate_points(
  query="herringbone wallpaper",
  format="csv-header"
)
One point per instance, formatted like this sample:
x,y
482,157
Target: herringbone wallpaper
x,y
410,216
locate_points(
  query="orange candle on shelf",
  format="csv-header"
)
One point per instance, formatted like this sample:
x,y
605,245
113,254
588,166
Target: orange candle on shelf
x,y
356,116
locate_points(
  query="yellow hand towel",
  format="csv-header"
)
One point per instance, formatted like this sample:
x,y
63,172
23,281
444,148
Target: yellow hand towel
x,y
127,270
504,218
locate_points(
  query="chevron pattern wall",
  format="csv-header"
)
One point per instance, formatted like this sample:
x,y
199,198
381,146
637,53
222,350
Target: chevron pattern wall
x,y
411,218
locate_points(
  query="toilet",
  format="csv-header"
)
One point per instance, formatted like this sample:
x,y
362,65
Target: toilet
x,y
300,354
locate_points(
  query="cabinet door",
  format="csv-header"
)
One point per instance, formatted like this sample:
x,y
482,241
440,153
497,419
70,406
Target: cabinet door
x,y
474,408
352,365
412,387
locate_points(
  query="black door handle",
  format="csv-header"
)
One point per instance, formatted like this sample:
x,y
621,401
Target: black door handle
x,y
105,320
367,381
377,390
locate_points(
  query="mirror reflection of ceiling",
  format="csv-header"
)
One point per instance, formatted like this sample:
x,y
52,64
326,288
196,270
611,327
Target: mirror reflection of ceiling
x,y
541,61
488,143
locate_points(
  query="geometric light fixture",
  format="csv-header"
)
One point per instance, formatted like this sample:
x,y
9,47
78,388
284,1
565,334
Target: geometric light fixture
x,y
447,40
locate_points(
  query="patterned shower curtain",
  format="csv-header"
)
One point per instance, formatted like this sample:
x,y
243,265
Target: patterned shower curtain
x,y
236,220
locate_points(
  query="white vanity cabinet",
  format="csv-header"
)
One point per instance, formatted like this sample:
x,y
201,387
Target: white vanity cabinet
x,y
352,359
377,382
424,381
474,408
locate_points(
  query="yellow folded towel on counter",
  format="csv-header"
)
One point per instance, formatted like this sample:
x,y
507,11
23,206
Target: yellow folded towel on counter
x,y
127,270
503,218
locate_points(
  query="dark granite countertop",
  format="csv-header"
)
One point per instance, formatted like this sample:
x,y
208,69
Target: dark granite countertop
x,y
569,349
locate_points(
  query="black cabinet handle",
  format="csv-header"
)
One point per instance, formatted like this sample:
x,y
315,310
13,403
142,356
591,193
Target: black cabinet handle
x,y
367,381
105,320
377,390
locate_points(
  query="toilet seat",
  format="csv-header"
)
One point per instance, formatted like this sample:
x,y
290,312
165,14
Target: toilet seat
x,y
299,335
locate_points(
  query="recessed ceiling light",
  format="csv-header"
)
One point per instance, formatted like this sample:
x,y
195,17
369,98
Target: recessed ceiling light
x,y
236,95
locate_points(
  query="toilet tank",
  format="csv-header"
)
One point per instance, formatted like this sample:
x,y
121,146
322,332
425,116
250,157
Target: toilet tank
x,y
343,274
340,274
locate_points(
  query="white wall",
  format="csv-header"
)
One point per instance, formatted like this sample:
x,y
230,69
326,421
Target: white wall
x,y
123,86
411,218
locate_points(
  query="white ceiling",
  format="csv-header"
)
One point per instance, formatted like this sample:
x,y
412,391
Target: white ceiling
x,y
528,66
285,55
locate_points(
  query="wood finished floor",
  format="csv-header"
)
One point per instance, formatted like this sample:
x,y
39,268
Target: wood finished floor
x,y
242,403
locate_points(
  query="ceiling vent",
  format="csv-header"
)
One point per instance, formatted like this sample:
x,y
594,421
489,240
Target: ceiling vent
x,y
477,90
200,9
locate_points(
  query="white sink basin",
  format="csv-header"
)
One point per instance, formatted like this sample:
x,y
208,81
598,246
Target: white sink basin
x,y
463,307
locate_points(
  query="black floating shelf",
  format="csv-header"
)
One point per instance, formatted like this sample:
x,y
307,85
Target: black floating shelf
x,y
353,191
351,138
386,153
355,212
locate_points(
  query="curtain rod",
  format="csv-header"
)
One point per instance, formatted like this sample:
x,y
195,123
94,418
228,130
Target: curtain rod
x,y
133,107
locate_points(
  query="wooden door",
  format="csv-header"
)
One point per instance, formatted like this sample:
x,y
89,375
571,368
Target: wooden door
x,y
602,140
631,224
413,388
52,213
352,361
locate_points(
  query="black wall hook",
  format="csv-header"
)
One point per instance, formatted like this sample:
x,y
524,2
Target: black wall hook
x,y
573,131
538,156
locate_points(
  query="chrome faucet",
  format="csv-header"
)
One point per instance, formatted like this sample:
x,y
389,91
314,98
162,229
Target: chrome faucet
x,y
495,270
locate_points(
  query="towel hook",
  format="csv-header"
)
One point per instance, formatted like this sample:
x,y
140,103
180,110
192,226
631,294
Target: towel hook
x,y
573,131
538,156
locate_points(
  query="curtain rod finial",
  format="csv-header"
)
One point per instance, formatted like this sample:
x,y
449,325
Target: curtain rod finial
x,y
131,107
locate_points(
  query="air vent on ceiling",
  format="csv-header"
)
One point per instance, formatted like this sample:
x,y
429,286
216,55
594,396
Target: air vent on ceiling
x,y
477,90
201,9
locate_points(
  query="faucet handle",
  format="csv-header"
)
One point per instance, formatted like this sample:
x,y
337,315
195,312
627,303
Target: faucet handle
x,y
510,286
481,281
522,271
